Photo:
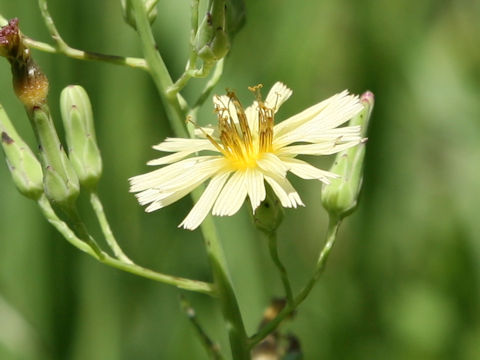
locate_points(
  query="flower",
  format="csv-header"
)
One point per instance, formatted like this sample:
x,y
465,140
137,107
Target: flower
x,y
245,151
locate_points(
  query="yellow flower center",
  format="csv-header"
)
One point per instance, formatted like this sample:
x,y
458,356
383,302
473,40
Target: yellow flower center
x,y
240,144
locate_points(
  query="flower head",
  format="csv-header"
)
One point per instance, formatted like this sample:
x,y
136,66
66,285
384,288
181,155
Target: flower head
x,y
246,150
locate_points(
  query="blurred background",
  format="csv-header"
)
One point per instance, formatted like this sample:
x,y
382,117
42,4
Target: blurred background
x,y
403,279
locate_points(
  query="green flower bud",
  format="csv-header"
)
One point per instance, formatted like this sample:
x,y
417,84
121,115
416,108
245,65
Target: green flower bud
x,y
269,214
339,197
83,151
60,180
129,14
212,42
24,167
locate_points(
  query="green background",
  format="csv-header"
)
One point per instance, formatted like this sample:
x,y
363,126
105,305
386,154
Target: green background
x,y
403,280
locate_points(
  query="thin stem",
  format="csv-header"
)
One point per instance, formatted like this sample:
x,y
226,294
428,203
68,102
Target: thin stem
x,y
69,235
228,302
212,348
63,48
273,248
333,226
107,231
62,227
162,79
187,75
158,70
191,70
212,82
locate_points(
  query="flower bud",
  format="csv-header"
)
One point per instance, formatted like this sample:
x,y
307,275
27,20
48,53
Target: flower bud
x,y
212,42
269,214
339,197
60,180
29,83
83,151
24,167
129,14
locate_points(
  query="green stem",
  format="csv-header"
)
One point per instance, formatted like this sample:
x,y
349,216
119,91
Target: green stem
x,y
81,231
63,48
158,70
69,235
187,75
107,231
273,248
162,79
212,348
212,82
228,302
333,226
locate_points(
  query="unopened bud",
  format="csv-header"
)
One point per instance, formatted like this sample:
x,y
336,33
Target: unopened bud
x,y
79,127
269,214
340,197
60,180
24,167
212,42
129,14
29,83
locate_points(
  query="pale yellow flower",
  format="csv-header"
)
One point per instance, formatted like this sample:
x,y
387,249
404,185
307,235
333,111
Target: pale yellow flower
x,y
245,151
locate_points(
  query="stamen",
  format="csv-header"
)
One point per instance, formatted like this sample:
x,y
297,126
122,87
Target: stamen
x,y
242,119
209,138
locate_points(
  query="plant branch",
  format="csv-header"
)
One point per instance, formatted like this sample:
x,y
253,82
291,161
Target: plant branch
x,y
107,231
273,248
223,285
68,234
61,47
212,348
158,70
331,235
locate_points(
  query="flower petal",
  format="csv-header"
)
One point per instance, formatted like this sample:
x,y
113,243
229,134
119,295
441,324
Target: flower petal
x,y
203,206
209,130
277,95
167,193
255,187
306,171
160,176
180,144
251,113
285,192
327,114
312,133
232,196
160,200
168,159
270,163
326,148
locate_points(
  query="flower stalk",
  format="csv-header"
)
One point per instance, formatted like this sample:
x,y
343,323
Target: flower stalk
x,y
268,328
222,282
71,237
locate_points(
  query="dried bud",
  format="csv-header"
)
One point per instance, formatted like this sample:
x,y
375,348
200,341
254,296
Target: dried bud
x,y
212,42
60,180
339,197
129,14
83,151
24,167
269,214
29,83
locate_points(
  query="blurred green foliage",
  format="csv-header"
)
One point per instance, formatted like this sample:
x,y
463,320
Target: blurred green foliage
x,y
403,280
